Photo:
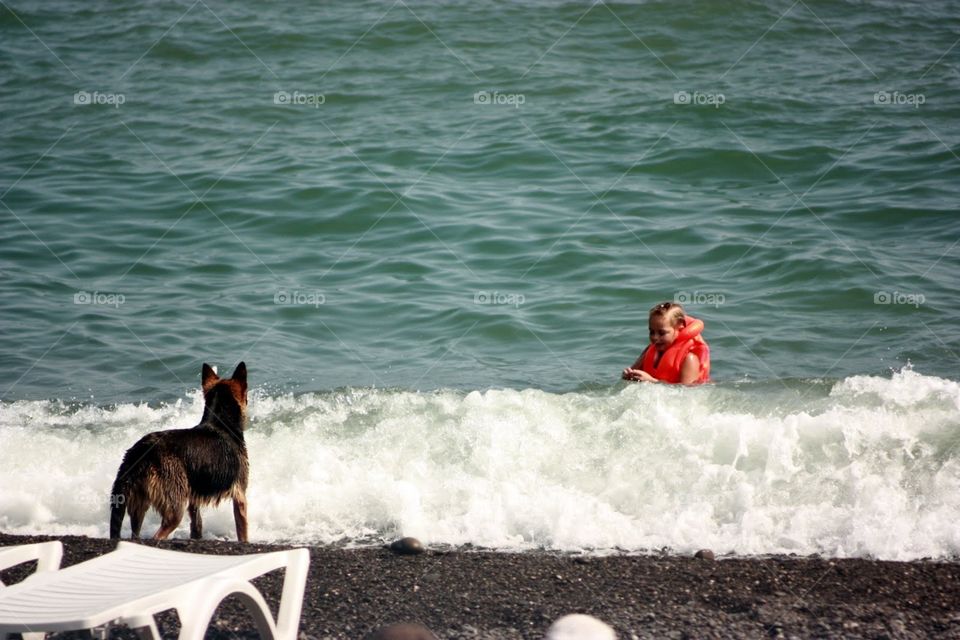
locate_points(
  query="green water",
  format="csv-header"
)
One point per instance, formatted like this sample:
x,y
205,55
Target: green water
x,y
428,195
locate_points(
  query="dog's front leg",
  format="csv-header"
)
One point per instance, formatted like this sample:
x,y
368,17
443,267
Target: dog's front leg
x,y
196,522
240,516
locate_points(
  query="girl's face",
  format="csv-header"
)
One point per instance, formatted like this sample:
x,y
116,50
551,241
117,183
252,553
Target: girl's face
x,y
662,334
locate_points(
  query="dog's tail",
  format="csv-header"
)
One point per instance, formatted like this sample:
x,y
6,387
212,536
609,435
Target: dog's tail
x,y
118,503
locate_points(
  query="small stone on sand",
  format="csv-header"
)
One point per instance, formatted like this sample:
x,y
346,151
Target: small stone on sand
x,y
407,546
578,626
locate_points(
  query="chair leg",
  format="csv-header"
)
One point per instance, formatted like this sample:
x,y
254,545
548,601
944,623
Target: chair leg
x,y
195,619
291,598
145,626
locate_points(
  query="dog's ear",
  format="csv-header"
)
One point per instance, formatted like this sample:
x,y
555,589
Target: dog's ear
x,y
208,376
240,374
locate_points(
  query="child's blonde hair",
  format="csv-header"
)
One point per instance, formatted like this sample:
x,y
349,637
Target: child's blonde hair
x,y
671,311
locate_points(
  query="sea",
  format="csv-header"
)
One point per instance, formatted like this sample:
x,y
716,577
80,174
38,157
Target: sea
x,y
433,232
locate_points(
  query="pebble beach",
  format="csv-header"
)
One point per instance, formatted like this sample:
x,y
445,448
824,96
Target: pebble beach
x,y
472,593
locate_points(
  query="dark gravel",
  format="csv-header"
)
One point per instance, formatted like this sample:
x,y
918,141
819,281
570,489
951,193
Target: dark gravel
x,y
478,594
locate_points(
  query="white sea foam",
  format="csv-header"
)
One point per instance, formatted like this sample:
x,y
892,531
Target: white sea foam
x,y
865,466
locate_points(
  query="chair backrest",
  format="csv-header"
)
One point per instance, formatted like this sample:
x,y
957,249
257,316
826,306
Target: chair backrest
x,y
136,581
47,555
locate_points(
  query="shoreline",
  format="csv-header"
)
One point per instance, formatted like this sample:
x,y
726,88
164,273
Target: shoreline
x,y
465,593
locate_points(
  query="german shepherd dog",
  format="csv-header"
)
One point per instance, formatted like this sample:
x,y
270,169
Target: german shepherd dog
x,y
189,468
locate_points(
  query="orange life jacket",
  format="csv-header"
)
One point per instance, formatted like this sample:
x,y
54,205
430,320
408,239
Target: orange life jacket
x,y
688,341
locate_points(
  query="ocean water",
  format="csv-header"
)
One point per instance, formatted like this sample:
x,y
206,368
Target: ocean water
x,y
868,466
433,232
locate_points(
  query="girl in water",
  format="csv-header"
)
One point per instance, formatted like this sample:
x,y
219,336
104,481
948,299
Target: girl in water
x,y
676,353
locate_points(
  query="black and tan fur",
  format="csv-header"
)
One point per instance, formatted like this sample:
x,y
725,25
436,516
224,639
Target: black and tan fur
x,y
184,469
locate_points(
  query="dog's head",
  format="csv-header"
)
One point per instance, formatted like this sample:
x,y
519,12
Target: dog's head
x,y
225,399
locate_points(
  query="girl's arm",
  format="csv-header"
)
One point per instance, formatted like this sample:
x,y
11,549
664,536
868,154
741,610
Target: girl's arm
x,y
639,362
633,371
690,369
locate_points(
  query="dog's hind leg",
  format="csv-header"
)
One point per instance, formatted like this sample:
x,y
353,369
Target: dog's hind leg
x,y
240,514
137,505
169,494
137,508
170,518
196,522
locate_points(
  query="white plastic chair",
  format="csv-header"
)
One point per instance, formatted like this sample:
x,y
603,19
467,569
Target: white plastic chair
x,y
47,555
135,582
